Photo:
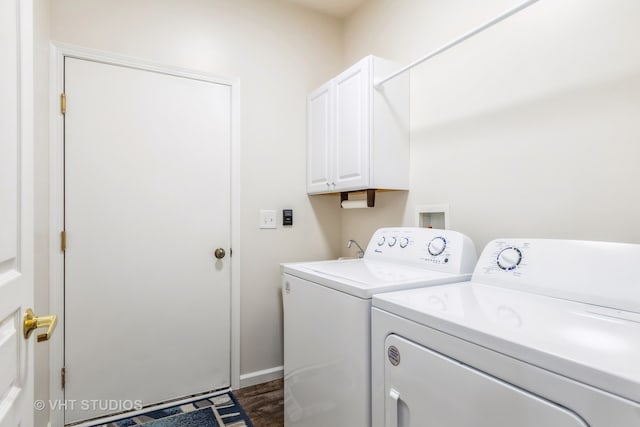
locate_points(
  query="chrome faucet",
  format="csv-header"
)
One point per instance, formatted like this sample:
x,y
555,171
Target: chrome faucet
x,y
360,252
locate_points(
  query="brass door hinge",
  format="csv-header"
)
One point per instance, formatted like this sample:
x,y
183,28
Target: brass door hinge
x,y
63,376
63,241
63,103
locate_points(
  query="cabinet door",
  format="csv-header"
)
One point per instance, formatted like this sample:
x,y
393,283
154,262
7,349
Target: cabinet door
x,y
351,157
319,136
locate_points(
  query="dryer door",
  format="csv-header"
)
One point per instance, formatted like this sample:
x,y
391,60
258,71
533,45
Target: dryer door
x,y
424,388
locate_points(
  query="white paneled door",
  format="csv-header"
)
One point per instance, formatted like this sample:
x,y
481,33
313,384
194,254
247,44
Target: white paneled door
x,y
16,213
147,205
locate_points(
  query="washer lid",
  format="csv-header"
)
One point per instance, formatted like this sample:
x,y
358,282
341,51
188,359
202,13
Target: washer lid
x,y
363,278
591,344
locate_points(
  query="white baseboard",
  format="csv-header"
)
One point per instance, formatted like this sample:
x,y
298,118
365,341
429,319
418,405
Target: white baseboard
x,y
259,377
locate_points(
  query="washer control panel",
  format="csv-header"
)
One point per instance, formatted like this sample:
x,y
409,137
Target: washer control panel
x,y
443,250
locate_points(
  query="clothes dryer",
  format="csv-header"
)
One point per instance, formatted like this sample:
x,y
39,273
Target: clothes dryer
x,y
547,333
327,312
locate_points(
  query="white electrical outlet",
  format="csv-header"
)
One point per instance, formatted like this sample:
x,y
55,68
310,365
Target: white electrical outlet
x,y
267,218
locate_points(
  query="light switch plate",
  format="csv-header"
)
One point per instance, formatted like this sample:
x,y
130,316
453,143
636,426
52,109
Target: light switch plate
x,y
267,218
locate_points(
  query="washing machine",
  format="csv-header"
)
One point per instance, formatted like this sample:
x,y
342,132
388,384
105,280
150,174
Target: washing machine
x,y
327,318
546,333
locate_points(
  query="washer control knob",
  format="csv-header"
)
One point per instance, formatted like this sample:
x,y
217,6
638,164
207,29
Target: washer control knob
x,y
437,245
381,241
509,258
404,242
392,241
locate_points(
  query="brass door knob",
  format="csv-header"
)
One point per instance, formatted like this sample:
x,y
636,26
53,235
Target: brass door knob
x,y
33,322
219,253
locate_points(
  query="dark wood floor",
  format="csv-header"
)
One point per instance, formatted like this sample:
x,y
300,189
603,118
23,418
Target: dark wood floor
x,y
263,403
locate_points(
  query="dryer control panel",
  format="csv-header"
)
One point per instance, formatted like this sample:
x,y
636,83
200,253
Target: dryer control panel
x,y
600,273
441,250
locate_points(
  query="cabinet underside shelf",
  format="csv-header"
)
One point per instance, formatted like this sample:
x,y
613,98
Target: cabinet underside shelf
x,y
371,197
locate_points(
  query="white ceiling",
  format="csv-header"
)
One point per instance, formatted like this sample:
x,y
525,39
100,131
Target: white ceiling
x,y
337,8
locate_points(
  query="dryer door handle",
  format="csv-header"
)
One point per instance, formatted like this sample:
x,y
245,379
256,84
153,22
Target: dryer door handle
x,y
393,399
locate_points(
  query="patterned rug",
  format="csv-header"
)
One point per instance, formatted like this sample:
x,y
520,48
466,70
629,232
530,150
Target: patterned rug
x,y
217,411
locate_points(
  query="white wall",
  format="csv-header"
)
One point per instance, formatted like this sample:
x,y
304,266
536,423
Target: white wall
x,y
280,52
530,129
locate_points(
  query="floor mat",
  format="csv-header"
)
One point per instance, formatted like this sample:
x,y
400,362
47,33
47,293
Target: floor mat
x,y
200,418
217,411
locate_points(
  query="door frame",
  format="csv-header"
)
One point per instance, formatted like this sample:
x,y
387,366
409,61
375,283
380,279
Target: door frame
x,y
58,52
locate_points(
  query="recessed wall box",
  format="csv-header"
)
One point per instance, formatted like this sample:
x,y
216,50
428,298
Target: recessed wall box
x,y
433,216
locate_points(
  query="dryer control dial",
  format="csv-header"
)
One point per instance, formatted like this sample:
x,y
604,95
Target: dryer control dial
x,y
509,258
392,241
404,242
437,245
381,241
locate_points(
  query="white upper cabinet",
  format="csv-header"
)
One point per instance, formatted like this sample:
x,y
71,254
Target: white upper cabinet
x,y
319,140
358,136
